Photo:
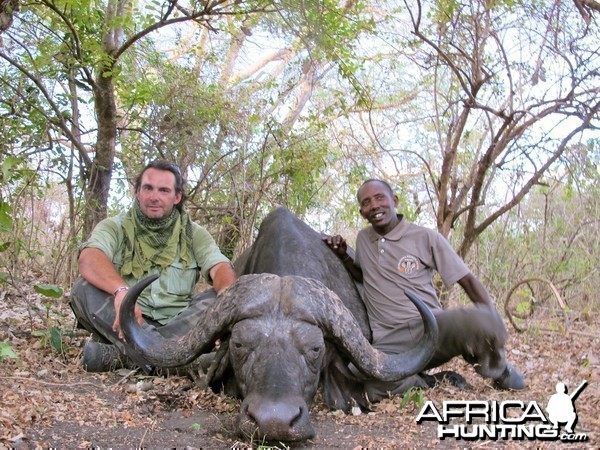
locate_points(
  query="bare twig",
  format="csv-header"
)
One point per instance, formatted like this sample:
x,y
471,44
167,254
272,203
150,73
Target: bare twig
x,y
561,302
127,376
47,383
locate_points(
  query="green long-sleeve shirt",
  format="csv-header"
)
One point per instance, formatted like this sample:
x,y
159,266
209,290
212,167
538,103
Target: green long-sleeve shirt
x,y
172,292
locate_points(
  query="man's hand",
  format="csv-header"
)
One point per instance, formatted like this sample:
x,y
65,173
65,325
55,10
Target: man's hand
x,y
117,324
339,247
336,243
222,276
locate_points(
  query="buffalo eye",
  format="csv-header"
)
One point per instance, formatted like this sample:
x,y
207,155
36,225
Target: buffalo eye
x,y
313,356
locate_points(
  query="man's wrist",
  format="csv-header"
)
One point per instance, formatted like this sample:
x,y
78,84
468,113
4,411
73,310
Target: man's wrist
x,y
120,289
346,257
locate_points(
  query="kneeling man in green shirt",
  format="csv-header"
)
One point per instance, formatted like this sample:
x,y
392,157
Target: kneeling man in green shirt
x,y
155,236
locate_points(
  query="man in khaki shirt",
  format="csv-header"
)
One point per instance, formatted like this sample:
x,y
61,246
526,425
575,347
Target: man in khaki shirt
x,y
392,256
155,236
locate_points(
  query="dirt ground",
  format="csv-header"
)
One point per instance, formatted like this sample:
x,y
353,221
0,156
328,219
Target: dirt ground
x,y
47,400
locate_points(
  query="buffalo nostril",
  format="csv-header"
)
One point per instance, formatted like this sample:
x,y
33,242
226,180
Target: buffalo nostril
x,y
266,420
285,418
277,419
296,418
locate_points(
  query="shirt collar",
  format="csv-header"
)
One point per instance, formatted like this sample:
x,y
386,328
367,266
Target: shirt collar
x,y
397,232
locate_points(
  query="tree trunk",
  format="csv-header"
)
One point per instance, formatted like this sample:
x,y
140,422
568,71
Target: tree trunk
x,y
100,172
7,9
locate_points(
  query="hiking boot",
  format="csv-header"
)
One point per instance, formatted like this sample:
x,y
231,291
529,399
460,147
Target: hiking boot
x,y
98,357
445,376
511,379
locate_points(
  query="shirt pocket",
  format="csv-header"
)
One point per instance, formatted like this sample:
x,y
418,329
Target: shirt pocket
x,y
180,279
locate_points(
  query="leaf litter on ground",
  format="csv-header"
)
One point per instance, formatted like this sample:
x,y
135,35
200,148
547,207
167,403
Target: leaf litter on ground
x,y
47,400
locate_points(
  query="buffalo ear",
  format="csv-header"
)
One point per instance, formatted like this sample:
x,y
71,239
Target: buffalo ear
x,y
341,388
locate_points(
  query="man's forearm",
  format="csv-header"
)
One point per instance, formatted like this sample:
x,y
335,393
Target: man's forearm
x,y
475,290
99,271
352,269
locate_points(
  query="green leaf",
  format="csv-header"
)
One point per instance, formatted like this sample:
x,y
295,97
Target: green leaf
x,y
415,395
8,164
4,246
49,290
6,220
524,307
7,352
55,338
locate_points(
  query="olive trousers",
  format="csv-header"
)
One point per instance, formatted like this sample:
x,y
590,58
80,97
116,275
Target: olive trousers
x,y
477,334
95,312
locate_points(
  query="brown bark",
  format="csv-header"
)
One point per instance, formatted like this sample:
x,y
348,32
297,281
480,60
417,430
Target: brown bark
x,y
7,9
100,171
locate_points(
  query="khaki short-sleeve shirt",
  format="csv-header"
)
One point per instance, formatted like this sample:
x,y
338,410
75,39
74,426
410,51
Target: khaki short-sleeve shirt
x,y
172,292
404,259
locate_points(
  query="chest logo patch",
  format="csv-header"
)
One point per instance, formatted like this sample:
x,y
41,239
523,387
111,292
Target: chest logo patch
x,y
408,265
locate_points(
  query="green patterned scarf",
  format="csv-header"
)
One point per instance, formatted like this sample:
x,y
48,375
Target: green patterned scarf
x,y
154,242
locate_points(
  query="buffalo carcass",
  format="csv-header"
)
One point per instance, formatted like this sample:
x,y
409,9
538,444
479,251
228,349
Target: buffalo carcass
x,y
284,331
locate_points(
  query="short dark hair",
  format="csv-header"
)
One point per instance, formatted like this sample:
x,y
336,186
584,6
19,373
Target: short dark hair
x,y
163,164
375,180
